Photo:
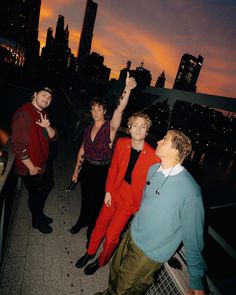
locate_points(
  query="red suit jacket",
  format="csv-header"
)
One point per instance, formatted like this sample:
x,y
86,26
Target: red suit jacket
x,y
119,166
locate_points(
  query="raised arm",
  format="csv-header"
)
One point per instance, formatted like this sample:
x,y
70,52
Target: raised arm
x,y
130,84
79,161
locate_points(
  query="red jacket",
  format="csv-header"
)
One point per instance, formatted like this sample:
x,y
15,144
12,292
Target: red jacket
x,y
119,166
29,140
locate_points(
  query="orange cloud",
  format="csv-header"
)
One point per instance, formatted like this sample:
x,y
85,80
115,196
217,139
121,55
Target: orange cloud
x,y
74,40
139,46
119,38
46,13
214,82
101,48
66,2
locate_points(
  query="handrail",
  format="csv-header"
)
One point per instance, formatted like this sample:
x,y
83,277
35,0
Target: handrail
x,y
10,163
8,188
228,249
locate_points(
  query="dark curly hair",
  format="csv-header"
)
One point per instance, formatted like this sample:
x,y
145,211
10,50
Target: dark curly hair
x,y
99,101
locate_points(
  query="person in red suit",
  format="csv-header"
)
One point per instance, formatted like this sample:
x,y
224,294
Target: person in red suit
x,y
124,186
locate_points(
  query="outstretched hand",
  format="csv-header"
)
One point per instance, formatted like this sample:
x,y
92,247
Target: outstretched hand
x,y
130,82
43,121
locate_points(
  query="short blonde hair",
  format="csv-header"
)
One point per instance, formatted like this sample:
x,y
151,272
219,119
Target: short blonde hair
x,y
147,119
181,143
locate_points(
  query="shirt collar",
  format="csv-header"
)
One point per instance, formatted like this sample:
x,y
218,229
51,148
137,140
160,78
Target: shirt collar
x,y
176,170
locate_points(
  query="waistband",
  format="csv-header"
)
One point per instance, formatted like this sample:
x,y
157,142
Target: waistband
x,y
98,163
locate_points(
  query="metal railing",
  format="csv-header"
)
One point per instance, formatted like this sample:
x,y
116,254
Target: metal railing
x,y
9,190
175,280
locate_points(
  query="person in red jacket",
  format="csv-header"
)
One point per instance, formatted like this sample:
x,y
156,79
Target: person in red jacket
x,y
31,132
124,186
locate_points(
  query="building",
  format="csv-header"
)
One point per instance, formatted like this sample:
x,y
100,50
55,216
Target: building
x,y
161,80
11,53
188,72
29,30
95,68
86,35
123,72
19,25
142,76
56,55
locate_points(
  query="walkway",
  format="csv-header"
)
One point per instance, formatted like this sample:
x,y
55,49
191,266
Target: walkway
x,y
39,264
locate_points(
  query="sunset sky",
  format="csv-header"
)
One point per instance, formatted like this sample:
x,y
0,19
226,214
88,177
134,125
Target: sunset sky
x,y
157,32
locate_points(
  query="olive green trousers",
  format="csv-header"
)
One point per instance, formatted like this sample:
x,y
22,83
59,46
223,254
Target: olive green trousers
x,y
131,271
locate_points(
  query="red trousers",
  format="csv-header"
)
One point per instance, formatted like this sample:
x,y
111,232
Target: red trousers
x,y
110,223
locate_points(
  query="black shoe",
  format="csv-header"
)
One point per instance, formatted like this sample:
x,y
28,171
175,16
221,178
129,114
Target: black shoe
x,y
84,260
75,229
43,227
47,219
91,268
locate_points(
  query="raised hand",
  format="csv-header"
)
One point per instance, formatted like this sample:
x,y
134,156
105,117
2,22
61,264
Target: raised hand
x,y
43,121
130,82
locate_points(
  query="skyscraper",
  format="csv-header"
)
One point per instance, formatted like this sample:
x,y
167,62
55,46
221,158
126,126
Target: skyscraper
x,y
19,21
161,80
188,73
56,55
30,19
142,76
123,72
86,34
9,18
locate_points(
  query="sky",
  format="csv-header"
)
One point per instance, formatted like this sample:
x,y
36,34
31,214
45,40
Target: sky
x,y
158,33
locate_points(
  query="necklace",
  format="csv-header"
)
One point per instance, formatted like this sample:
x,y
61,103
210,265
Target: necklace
x,y
158,189
149,180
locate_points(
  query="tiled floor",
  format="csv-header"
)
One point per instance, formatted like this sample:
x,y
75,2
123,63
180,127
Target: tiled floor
x,y
39,264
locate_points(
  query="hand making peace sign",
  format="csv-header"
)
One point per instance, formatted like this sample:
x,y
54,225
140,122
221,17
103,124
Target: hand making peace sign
x,y
43,121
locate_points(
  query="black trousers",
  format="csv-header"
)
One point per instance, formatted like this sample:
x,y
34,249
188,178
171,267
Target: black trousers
x,y
38,187
93,180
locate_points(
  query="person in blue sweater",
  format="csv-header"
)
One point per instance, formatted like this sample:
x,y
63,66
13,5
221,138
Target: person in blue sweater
x,y
171,212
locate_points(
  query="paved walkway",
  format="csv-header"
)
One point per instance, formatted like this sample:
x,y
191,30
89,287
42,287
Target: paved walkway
x,y
39,264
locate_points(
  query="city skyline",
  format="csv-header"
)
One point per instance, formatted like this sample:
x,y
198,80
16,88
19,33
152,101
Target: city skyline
x,y
142,31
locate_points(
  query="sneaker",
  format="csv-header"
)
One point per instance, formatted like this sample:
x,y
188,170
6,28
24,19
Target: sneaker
x,y
43,228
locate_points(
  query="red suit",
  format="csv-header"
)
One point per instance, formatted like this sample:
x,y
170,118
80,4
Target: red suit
x,y
125,198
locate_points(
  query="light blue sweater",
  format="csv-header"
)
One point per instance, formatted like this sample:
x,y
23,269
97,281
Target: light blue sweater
x,y
166,220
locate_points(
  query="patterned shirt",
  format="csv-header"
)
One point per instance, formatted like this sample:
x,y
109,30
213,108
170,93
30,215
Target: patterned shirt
x,y
98,149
